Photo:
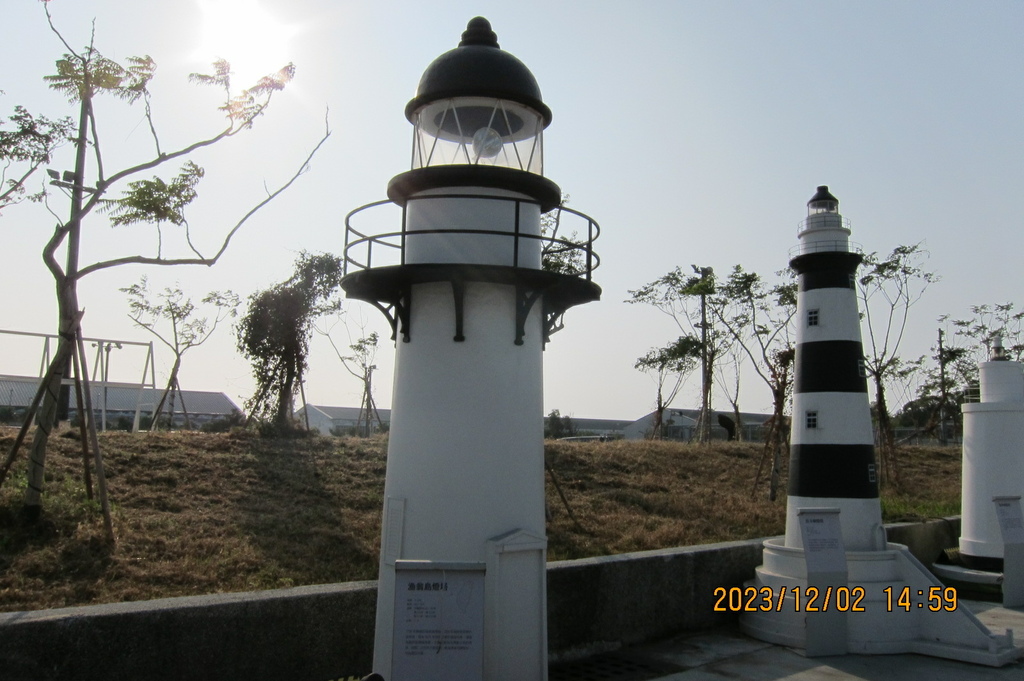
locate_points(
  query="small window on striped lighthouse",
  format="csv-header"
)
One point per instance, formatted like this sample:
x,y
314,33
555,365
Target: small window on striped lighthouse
x,y
811,419
812,317
862,368
853,281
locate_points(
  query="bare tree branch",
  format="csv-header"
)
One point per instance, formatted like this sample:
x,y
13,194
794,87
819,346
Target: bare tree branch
x,y
142,260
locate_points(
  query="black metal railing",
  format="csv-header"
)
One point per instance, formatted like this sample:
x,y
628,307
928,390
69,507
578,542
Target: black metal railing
x,y
365,249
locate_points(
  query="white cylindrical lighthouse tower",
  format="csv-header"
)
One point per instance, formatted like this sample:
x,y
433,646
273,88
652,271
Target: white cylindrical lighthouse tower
x,y
462,567
992,461
833,493
832,452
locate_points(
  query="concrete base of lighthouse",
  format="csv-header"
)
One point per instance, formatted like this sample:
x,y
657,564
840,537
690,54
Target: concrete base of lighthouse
x,y
860,521
883,627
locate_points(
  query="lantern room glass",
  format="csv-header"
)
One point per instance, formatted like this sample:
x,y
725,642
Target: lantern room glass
x,y
823,206
478,131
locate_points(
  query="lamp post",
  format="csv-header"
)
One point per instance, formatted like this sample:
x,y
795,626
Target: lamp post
x,y
461,590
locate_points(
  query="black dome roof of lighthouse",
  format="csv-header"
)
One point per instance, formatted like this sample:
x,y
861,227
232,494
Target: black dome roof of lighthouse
x,y
823,194
478,67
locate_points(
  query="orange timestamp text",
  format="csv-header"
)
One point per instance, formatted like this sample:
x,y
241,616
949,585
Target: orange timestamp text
x,y
830,599
806,599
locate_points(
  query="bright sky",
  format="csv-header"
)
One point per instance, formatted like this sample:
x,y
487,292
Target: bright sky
x,y
693,132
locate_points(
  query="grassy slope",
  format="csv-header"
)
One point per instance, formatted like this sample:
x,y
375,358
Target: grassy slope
x,y
200,513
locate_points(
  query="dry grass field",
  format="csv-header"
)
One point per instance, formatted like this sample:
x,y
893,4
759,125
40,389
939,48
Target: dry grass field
x,y
198,513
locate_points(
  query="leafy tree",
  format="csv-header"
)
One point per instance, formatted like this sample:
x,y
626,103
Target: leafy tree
x,y
560,253
274,334
669,366
568,427
25,149
988,322
557,426
187,331
688,299
888,288
952,376
759,317
83,76
945,385
553,425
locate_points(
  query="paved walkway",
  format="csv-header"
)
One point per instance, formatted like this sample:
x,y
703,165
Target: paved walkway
x,y
729,654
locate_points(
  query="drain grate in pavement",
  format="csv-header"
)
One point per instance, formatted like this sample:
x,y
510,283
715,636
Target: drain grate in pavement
x,y
611,667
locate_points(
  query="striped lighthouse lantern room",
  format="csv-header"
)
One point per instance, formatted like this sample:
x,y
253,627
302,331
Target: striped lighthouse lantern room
x,y
832,455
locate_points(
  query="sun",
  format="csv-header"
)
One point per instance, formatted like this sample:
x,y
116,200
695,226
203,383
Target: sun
x,y
245,34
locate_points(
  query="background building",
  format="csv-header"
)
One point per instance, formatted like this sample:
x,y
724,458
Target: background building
x,y
120,407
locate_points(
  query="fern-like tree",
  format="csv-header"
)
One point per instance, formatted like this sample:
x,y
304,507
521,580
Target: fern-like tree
x,y
758,315
171,316
669,366
275,331
688,298
127,195
26,148
986,323
945,380
888,288
952,375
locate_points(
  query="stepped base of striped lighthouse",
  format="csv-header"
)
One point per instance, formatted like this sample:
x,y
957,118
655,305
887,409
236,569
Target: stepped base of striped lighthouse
x,y
876,622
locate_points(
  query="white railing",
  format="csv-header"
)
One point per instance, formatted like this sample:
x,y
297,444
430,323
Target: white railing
x,y
836,245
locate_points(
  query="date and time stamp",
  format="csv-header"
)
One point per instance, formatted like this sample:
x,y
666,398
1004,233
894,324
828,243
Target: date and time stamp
x,y
831,599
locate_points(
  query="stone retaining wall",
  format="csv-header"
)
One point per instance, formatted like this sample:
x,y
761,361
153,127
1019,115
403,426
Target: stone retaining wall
x,y
325,633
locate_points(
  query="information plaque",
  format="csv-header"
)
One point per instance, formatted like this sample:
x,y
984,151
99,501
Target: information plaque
x,y
1011,525
822,539
1011,521
439,621
825,556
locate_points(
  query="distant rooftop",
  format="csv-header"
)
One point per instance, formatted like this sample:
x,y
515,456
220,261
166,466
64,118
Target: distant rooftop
x,y
18,392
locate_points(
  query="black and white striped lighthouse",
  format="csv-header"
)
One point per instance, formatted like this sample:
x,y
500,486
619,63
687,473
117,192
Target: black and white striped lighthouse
x,y
832,460
833,492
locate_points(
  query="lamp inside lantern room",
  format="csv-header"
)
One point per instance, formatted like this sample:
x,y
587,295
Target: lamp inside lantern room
x,y
478,131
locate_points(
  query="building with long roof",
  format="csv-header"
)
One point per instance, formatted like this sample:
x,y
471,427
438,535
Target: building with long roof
x,y
121,406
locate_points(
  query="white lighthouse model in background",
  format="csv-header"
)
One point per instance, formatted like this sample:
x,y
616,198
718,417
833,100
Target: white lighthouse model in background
x,y
992,462
991,539
871,596
462,570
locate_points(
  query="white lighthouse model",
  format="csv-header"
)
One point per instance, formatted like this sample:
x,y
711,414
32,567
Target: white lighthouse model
x,y
992,461
833,584
462,565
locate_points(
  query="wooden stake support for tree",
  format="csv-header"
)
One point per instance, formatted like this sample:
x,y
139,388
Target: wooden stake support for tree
x,y
83,432
82,384
60,357
71,346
